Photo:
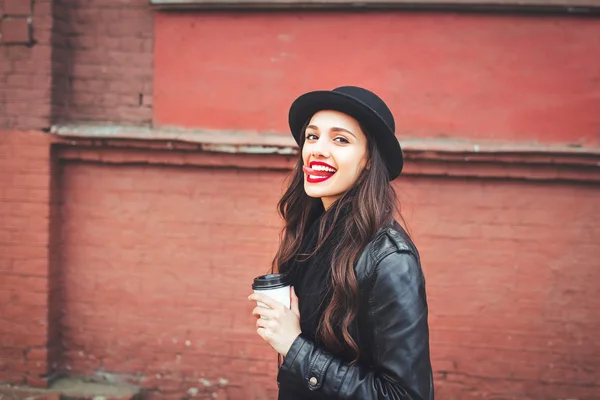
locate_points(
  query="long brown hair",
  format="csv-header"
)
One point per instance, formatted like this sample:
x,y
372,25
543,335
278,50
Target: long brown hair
x,y
372,204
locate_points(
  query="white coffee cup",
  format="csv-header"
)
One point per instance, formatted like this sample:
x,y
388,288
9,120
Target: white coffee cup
x,y
276,286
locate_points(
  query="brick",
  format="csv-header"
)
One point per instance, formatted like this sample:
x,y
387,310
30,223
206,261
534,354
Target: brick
x,y
6,265
17,7
29,367
28,80
37,337
28,298
9,375
35,267
31,208
17,98
34,122
39,354
42,8
31,283
15,31
5,295
25,194
11,353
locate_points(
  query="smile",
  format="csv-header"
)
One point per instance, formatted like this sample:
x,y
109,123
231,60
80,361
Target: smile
x,y
318,172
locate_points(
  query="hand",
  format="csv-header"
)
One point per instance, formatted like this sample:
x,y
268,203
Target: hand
x,y
279,326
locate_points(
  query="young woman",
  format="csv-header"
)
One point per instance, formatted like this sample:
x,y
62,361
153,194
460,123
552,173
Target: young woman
x,y
357,328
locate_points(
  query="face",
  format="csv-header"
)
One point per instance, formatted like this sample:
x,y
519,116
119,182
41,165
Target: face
x,y
334,154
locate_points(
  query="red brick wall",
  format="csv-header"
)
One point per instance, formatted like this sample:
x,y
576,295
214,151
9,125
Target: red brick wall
x,y
24,214
25,64
75,61
157,263
512,277
103,62
476,76
108,269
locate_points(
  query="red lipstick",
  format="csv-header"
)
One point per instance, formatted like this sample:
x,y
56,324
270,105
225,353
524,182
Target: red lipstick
x,y
318,172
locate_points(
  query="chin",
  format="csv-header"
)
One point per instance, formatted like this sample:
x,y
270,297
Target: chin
x,y
311,193
314,192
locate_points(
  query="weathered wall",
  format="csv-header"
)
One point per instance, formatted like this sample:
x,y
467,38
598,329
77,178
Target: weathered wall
x,y
24,238
492,77
162,258
157,263
25,64
512,279
25,86
57,60
103,62
108,257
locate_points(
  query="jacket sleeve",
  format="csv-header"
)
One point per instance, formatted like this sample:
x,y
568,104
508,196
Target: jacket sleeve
x,y
397,307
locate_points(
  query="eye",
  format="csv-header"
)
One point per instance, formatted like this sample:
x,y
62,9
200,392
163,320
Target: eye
x,y
311,136
341,139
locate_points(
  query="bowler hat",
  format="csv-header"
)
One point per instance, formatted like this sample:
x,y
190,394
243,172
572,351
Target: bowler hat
x,y
363,105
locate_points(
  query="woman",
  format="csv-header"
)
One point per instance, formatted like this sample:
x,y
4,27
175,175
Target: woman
x,y
357,328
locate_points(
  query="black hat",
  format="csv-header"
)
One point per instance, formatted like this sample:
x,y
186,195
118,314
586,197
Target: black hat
x,y
363,105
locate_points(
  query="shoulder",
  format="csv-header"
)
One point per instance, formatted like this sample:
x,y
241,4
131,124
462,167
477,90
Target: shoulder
x,y
390,252
392,239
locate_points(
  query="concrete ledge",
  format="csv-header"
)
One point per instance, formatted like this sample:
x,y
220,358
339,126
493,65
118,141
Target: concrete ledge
x,y
282,143
73,389
217,141
437,157
560,6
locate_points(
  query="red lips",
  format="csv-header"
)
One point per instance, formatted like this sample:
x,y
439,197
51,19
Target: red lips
x,y
320,175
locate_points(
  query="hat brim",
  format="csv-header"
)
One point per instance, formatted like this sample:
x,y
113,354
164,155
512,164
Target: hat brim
x,y
307,105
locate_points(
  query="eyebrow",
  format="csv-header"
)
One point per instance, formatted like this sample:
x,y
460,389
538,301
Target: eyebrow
x,y
334,129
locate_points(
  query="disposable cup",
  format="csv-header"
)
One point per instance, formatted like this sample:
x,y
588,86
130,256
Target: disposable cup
x,y
276,286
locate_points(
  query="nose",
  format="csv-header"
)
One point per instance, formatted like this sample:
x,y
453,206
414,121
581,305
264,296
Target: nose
x,y
319,148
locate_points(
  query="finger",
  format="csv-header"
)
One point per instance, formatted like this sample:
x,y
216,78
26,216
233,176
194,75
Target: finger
x,y
264,333
263,312
268,301
269,324
294,303
261,323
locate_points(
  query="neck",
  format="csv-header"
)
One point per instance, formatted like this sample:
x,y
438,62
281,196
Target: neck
x,y
328,201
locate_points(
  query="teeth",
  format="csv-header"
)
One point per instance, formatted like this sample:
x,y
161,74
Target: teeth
x,y
323,168
317,177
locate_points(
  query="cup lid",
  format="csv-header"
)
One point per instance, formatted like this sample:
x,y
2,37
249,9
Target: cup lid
x,y
270,281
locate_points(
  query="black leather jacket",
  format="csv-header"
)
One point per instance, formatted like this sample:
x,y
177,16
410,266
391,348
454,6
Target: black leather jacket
x,y
392,330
